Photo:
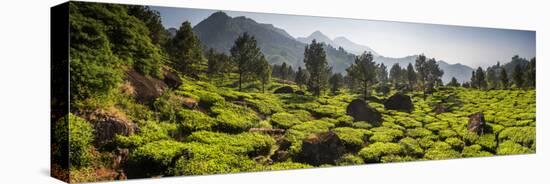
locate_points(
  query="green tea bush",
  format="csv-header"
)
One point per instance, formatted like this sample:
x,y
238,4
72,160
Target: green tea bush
x,y
353,138
418,132
249,142
190,121
411,147
301,131
201,159
455,143
488,142
522,135
265,103
349,159
362,125
287,165
150,131
301,115
284,120
154,158
475,151
168,105
441,150
512,148
374,152
234,118
384,134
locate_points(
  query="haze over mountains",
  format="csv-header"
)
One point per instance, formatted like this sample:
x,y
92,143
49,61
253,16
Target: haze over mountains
x,y
219,31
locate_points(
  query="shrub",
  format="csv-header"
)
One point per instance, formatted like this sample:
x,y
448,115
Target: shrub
x,y
374,152
248,142
299,132
521,135
79,139
474,151
411,147
234,118
384,134
349,159
441,150
455,143
190,121
200,159
150,131
353,138
155,157
284,120
418,132
287,165
301,115
488,142
512,148
168,105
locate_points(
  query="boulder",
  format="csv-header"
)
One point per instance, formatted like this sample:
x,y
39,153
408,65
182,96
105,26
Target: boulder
x,y
190,103
361,111
476,123
280,156
284,89
109,124
147,89
322,148
171,79
399,102
299,92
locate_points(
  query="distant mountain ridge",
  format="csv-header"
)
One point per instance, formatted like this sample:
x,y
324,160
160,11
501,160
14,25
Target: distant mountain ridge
x,y
340,41
219,32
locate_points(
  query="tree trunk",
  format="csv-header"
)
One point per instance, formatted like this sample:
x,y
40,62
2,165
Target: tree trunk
x,y
365,90
240,81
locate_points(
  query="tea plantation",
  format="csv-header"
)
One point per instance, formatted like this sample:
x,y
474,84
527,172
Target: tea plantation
x,y
217,136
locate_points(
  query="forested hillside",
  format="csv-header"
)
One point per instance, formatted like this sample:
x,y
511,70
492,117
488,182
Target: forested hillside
x,y
147,101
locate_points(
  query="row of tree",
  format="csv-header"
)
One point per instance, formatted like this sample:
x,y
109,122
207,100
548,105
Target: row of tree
x,y
523,75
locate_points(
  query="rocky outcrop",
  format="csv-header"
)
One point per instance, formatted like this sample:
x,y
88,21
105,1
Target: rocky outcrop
x,y
399,102
361,111
108,124
299,92
476,123
374,99
284,89
322,148
147,89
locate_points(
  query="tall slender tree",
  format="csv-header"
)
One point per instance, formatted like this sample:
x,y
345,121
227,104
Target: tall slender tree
x,y
301,77
364,70
186,51
395,74
246,56
480,78
411,75
336,82
263,73
518,76
315,59
504,78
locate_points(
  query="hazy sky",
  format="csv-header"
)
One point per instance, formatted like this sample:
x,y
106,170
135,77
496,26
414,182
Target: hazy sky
x,y
471,46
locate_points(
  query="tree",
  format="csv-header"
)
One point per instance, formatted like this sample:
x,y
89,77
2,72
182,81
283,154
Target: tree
x,y
480,78
395,74
301,77
336,82
382,73
364,70
433,73
263,73
315,59
531,75
518,76
504,78
246,56
219,64
473,83
411,75
152,20
420,66
185,51
453,83
491,78
283,72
